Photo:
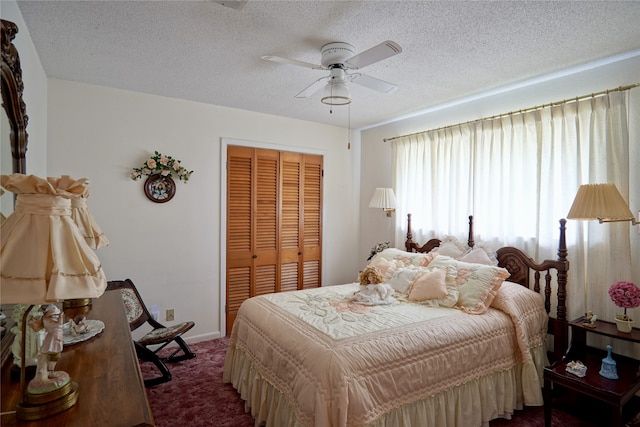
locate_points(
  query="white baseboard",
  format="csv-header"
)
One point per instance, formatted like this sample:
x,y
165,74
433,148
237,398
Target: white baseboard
x,y
204,337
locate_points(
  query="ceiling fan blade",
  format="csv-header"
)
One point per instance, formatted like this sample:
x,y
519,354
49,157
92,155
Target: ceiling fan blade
x,y
372,83
312,88
377,53
293,62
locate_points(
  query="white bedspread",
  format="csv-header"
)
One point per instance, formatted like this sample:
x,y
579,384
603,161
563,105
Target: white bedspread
x,y
335,363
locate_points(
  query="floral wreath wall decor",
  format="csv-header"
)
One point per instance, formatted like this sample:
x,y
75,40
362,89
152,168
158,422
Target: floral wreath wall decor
x,y
159,186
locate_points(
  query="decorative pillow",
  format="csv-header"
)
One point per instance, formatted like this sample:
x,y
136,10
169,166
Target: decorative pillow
x,y
403,278
388,254
384,266
491,254
452,247
429,285
477,283
404,258
451,297
477,256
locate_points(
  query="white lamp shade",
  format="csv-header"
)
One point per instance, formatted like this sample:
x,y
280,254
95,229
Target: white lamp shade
x,y
383,198
600,201
336,92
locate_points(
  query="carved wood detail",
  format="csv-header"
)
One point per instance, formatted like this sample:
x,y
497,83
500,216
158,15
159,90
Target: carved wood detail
x,y
12,89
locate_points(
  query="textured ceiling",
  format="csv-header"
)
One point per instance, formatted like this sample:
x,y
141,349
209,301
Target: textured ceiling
x,y
208,52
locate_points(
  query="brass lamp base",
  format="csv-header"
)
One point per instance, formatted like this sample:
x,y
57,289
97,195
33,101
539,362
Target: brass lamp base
x,y
38,406
75,303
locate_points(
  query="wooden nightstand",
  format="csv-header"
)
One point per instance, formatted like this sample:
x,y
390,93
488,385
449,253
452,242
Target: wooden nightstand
x,y
615,393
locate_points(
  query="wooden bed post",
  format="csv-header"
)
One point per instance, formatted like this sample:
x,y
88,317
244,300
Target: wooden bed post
x,y
562,273
559,324
470,241
409,241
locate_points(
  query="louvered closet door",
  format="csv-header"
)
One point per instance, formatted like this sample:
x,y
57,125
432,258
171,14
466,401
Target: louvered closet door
x,y
301,221
240,275
291,221
274,223
266,233
312,222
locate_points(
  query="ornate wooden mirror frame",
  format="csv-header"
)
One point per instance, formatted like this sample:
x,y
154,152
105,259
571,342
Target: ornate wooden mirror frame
x,y
15,109
12,88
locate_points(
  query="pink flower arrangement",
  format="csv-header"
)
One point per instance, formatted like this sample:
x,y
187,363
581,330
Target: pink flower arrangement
x,y
163,165
625,295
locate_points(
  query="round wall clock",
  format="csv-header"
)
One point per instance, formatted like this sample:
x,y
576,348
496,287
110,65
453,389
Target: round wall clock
x,y
159,189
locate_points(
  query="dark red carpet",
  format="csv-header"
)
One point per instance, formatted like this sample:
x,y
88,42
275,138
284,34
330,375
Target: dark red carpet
x,y
196,396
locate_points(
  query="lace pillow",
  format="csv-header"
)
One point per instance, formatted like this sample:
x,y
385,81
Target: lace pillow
x,y
451,247
478,284
478,256
491,254
385,267
404,258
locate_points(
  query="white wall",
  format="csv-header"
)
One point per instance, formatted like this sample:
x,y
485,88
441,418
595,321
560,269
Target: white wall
x,y
35,90
376,154
172,251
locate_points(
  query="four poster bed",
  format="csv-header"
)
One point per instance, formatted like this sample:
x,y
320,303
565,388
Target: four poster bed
x,y
461,342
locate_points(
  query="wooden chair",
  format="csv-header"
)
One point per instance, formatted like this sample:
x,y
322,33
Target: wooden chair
x,y
148,347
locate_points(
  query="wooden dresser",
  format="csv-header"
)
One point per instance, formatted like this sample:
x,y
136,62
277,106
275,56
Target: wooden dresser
x,y
111,390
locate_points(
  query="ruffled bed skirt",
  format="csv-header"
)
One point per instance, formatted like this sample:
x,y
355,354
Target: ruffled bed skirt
x,y
472,404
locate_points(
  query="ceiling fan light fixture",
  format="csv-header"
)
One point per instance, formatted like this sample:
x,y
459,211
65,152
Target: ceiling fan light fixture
x,y
338,57
336,92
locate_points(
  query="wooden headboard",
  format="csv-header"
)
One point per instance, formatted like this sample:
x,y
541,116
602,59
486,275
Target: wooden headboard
x,y
527,272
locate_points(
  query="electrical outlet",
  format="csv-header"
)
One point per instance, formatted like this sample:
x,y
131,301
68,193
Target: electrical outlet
x,y
170,314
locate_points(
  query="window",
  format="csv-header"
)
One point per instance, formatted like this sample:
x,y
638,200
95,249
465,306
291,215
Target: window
x,y
518,176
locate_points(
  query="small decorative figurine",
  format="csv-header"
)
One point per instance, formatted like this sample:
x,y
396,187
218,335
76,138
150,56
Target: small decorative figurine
x,y
79,325
51,347
589,320
608,368
372,291
577,368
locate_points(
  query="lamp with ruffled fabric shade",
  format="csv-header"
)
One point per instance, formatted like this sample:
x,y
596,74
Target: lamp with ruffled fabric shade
x,y
44,258
92,233
89,228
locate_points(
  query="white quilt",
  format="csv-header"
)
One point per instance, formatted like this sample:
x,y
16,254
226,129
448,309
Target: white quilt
x,y
315,358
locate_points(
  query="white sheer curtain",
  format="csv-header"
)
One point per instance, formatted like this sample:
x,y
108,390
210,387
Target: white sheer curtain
x,y
518,176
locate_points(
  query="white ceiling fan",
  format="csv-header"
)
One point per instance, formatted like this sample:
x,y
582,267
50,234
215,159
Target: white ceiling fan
x,y
340,58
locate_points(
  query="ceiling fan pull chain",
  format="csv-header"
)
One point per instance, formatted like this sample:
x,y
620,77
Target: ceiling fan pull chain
x,y
349,130
330,93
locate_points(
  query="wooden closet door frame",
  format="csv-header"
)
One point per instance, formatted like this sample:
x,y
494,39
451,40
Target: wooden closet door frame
x,y
225,142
